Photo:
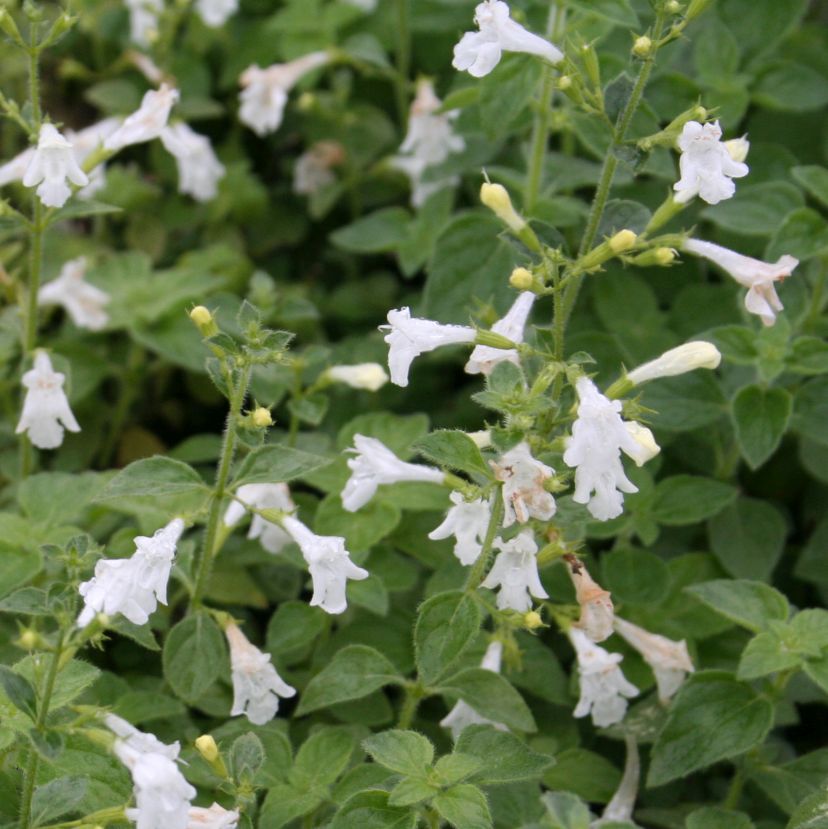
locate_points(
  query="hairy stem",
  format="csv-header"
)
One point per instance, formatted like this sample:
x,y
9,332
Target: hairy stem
x,y
411,702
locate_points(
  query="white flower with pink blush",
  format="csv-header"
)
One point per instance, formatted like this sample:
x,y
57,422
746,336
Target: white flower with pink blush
x,y
523,492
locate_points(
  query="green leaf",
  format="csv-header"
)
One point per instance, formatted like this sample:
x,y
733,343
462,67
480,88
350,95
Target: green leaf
x,y
817,670
808,355
19,691
292,629
747,537
247,755
635,576
276,463
361,529
811,813
455,450
814,179
766,654
447,625
456,767
791,87
750,604
194,656
802,234
566,811
72,679
714,817
77,209
492,697
810,417
157,476
405,752
755,209
17,567
585,773
354,672
372,810
688,499
687,402
284,804
618,11
712,718
410,791
378,232
322,758
57,798
760,417
505,757
505,93
464,807
736,342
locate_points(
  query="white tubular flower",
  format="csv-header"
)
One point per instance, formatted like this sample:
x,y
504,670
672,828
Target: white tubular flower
x,y
409,338
620,808
84,143
598,436
15,169
199,171
143,20
647,448
429,141
467,521
215,13
265,91
484,358
481,439
523,494
368,376
162,795
313,170
147,122
51,164
262,496
706,165
329,564
132,586
376,464
738,148
131,743
463,714
216,817
515,572
679,360
83,302
669,660
256,685
46,411
479,52
597,611
604,688
757,276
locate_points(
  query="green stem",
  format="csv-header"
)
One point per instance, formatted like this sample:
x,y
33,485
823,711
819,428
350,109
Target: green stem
x,y
411,702
127,392
481,566
734,791
228,450
403,61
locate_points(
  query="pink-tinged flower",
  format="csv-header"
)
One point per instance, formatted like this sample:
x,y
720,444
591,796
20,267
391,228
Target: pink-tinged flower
x,y
707,168
515,572
524,496
479,52
83,302
757,276
216,817
484,358
597,612
314,168
51,165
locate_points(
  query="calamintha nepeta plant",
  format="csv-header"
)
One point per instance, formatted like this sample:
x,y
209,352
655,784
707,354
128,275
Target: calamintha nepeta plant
x,y
483,542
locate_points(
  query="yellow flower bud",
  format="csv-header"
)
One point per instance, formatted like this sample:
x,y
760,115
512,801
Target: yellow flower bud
x,y
261,417
204,321
673,7
737,148
642,46
665,256
622,241
207,748
564,82
29,640
521,279
532,620
496,198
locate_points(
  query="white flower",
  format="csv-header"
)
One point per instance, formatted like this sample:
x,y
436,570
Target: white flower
x,y
669,659
408,338
215,13
364,5
262,496
132,586
143,20
598,436
15,169
523,494
463,714
84,143
515,571
484,358
467,521
620,808
265,91
83,302
313,169
51,164
131,743
479,52
757,276
329,565
429,141
706,165
679,360
647,448
46,410
597,612
481,439
368,376
738,148
147,122
603,685
376,464
199,171
216,817
256,685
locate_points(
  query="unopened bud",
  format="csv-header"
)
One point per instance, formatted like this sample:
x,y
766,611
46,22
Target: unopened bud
x,y
622,241
8,25
521,279
532,620
564,82
59,28
368,376
642,47
647,448
207,748
261,417
673,7
696,7
29,640
679,360
655,257
737,148
306,101
496,198
590,59
204,321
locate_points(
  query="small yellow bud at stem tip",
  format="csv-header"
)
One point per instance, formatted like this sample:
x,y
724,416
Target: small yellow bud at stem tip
x,y
521,279
622,241
207,748
261,417
642,46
